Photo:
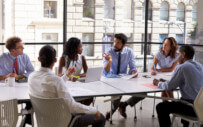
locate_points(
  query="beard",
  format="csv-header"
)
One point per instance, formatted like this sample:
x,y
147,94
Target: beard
x,y
181,60
117,49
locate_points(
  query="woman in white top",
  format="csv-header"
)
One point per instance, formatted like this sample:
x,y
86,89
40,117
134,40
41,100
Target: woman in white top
x,y
166,59
72,58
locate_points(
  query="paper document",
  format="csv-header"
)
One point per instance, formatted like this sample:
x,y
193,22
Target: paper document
x,y
129,76
150,85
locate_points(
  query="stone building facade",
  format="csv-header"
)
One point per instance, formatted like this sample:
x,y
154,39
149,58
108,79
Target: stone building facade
x,y
92,20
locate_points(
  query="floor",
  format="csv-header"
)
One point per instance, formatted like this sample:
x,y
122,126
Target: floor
x,y
144,116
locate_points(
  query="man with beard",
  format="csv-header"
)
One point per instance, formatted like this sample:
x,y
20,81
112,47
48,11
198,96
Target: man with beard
x,y
116,61
188,77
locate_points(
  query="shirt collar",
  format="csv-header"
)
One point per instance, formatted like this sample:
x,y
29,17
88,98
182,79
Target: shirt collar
x,y
12,57
190,60
123,51
45,69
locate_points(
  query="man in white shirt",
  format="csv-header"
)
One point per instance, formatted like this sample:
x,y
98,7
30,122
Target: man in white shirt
x,y
44,83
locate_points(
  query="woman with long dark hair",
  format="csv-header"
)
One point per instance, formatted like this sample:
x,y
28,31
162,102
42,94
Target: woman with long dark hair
x,y
72,58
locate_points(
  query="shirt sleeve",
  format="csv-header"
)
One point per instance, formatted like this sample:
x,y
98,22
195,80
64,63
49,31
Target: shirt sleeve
x,y
175,81
29,68
158,55
105,62
132,62
74,106
1,68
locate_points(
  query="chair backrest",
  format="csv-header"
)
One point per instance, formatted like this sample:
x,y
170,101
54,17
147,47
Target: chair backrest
x,y
8,113
198,105
51,112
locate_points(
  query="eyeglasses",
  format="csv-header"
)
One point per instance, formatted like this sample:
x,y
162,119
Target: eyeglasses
x,y
20,47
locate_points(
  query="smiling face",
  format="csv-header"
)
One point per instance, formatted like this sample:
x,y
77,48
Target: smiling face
x,y
166,46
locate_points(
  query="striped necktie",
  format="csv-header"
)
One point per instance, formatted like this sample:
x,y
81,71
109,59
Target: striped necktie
x,y
16,66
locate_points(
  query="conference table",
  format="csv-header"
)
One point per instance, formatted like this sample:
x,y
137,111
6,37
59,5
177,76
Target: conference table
x,y
104,87
114,87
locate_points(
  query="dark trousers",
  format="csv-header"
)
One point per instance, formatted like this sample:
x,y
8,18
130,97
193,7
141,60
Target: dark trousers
x,y
131,101
27,107
164,109
88,119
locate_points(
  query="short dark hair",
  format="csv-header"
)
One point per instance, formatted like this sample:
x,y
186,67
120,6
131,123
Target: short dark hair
x,y
47,55
71,48
188,50
11,42
121,37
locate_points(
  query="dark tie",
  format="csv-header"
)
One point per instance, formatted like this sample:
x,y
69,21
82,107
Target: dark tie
x,y
16,66
119,60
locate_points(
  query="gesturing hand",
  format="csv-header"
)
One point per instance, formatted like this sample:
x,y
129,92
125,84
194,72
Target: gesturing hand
x,y
107,57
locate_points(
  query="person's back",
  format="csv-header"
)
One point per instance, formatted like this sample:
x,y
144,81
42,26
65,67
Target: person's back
x,y
46,81
188,77
193,76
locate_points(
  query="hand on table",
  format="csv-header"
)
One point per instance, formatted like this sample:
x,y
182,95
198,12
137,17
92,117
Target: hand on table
x,y
156,82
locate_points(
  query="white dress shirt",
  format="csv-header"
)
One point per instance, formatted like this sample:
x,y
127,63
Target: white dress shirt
x,y
44,83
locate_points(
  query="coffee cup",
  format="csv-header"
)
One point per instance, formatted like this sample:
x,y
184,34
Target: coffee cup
x,y
10,81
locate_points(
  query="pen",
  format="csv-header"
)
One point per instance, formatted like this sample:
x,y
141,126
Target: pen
x,y
97,107
154,67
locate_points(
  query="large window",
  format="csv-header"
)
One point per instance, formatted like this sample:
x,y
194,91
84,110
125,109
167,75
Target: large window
x,y
194,13
50,9
179,38
149,11
148,46
109,37
88,8
51,37
109,9
128,9
1,21
88,49
180,12
164,11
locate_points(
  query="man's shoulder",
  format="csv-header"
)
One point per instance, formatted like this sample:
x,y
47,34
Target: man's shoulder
x,y
4,55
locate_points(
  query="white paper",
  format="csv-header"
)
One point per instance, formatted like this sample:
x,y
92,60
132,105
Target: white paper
x,y
129,76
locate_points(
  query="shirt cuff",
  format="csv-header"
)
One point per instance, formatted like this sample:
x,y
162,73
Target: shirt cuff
x,y
65,78
104,71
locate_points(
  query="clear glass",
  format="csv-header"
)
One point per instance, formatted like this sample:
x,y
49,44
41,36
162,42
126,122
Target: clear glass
x,y
164,11
88,9
50,9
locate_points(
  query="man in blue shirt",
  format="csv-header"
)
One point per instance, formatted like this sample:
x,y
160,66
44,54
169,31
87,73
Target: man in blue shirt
x,y
116,61
188,77
16,64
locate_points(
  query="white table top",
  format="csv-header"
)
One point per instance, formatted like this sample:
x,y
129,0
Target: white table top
x,y
105,87
135,85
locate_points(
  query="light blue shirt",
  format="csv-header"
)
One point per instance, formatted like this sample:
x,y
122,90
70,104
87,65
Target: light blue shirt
x,y
127,58
165,62
188,77
7,62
